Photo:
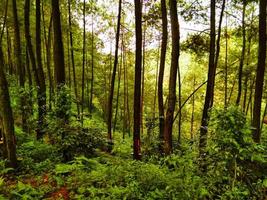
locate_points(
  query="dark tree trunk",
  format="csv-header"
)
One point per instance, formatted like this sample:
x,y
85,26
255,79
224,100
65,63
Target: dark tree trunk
x,y
92,69
217,53
256,120
226,64
41,102
42,86
209,89
19,66
58,45
6,117
173,76
161,70
137,83
83,65
111,92
72,59
240,72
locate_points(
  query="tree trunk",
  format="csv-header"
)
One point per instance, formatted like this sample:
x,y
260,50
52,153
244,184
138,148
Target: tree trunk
x,y
240,73
111,92
161,71
137,80
92,69
42,86
72,59
256,120
217,53
83,65
19,66
173,76
209,89
6,117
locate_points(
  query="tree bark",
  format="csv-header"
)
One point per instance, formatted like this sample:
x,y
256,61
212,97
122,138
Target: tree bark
x,y
173,76
19,66
72,59
111,92
161,71
256,120
42,86
209,89
137,83
6,117
240,73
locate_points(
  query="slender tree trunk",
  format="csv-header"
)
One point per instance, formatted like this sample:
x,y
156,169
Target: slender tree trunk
x,y
164,41
173,76
118,94
156,86
92,70
6,116
226,64
193,112
19,66
256,120
217,53
72,59
48,58
250,95
240,73
111,92
10,63
42,86
209,89
138,80
143,71
83,65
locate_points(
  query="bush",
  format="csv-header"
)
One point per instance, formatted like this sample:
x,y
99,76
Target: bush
x,y
235,163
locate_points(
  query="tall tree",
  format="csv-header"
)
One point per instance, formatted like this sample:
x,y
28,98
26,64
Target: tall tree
x,y
18,62
42,94
111,92
83,65
210,85
173,76
256,120
162,67
137,80
59,63
72,58
6,117
40,87
242,58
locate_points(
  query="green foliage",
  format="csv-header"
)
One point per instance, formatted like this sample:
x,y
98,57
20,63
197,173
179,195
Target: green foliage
x,y
235,163
37,156
26,192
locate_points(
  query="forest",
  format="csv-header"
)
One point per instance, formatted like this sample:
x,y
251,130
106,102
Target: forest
x,y
133,99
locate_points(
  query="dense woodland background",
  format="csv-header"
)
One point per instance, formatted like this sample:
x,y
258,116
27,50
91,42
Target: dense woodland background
x,y
142,99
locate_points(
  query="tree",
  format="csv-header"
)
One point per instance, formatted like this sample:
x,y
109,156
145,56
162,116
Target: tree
x,y
173,76
42,94
162,67
256,121
72,58
18,62
6,117
241,64
39,83
83,65
59,63
111,92
137,80
210,84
